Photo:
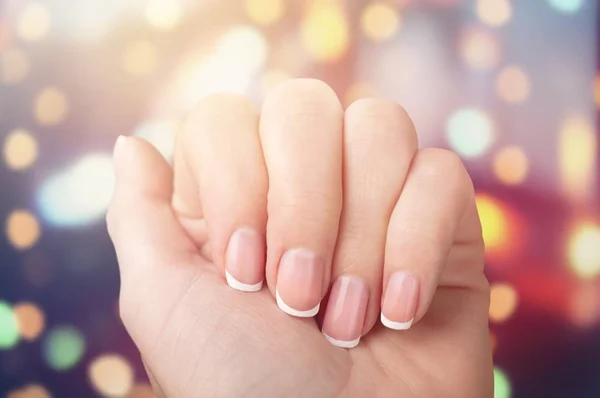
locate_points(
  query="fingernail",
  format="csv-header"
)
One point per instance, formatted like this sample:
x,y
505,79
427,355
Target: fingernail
x,y
400,301
346,311
245,260
299,282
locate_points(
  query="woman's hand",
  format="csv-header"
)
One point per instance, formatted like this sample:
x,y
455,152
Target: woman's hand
x,y
269,218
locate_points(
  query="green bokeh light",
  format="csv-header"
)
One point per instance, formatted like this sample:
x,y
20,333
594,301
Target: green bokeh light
x,y
502,387
567,6
9,328
63,347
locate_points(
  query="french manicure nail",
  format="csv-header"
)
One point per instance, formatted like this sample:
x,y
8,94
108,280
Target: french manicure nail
x,y
346,311
245,260
400,301
299,283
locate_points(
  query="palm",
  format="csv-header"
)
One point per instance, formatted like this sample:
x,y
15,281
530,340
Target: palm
x,y
195,319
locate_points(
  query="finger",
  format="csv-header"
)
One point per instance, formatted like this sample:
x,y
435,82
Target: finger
x,y
379,144
220,158
301,134
436,196
140,220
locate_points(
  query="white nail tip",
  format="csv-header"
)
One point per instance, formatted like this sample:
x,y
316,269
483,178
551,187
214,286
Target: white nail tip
x,y
289,310
341,343
243,287
396,325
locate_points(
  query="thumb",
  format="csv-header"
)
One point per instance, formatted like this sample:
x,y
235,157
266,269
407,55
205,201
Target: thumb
x,y
157,260
140,220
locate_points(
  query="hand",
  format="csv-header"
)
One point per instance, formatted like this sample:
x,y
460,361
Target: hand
x,y
330,208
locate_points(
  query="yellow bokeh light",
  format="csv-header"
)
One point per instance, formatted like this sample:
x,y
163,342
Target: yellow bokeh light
x,y
503,302
33,23
512,85
494,12
597,90
31,320
584,250
30,391
141,390
140,58
164,14
51,107
479,49
20,150
14,66
357,91
585,305
325,32
265,12
111,375
494,222
22,229
379,21
577,157
511,165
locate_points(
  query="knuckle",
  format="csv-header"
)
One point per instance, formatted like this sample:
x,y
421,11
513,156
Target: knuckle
x,y
441,164
302,96
377,107
382,121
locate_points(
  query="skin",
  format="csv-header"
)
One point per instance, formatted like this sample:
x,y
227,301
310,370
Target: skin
x,y
350,185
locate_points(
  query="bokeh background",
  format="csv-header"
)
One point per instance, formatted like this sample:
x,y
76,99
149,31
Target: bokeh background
x,y
512,86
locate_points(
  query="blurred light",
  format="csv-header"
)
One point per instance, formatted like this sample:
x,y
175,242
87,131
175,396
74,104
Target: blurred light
x,y
357,91
493,341
494,12
265,12
51,106
31,391
494,222
479,49
567,6
30,319
379,21
324,31
584,250
14,66
22,229
141,391
33,23
512,85
63,347
503,302
161,134
511,165
20,150
470,132
577,157
140,58
80,194
231,67
164,14
502,388
597,90
9,328
585,305
271,79
111,375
